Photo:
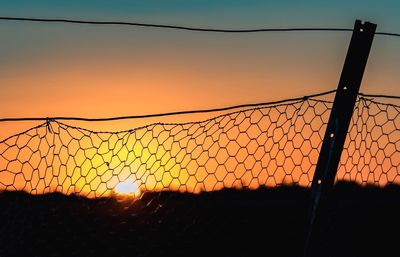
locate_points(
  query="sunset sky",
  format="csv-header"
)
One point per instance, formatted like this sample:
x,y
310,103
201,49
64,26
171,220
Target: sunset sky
x,y
121,140
58,69
97,71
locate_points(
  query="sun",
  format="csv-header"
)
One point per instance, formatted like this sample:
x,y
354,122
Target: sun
x,y
127,188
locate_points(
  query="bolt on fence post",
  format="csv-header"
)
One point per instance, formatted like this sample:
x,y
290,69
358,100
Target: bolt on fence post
x,y
339,120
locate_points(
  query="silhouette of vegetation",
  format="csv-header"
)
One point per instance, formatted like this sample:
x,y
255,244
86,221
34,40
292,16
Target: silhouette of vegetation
x,y
360,221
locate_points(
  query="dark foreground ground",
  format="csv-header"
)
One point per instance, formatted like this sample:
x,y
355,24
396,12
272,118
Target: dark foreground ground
x,y
266,222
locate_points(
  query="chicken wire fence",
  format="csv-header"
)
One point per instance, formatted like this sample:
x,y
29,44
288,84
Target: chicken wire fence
x,y
266,145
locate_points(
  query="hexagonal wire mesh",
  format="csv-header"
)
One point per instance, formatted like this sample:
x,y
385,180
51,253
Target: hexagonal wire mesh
x,y
371,153
268,145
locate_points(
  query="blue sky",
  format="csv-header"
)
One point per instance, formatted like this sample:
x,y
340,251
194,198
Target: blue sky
x,y
216,12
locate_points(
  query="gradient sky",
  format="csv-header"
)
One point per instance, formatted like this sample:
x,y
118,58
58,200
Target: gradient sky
x,y
49,69
97,71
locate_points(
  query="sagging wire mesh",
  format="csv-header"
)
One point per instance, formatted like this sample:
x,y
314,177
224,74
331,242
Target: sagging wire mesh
x,y
268,145
371,154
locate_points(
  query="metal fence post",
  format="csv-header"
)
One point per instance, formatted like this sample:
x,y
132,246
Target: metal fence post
x,y
340,117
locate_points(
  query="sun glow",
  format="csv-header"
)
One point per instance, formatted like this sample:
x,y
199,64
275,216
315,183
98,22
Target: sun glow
x,y
127,188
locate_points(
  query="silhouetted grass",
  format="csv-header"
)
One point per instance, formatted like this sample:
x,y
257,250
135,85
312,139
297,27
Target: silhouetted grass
x,y
265,222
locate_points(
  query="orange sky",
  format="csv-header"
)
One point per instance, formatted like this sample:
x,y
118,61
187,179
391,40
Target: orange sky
x,y
68,70
103,77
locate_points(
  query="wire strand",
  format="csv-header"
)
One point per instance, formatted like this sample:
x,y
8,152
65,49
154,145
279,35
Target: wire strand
x,y
379,96
168,26
154,25
166,114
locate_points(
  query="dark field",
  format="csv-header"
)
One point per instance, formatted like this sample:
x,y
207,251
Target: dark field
x,y
266,222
